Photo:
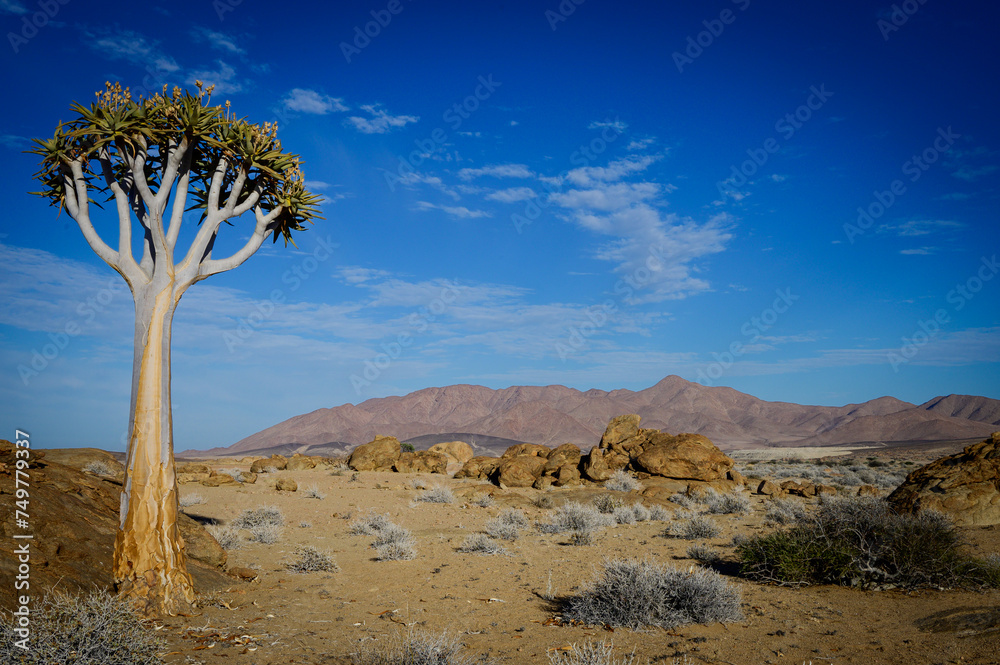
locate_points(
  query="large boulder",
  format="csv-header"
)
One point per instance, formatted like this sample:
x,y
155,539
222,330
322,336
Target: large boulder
x,y
965,485
689,456
299,462
627,446
458,450
277,462
528,449
422,461
563,465
379,454
479,467
90,460
519,471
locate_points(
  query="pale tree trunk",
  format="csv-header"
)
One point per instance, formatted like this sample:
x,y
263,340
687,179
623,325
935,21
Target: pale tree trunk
x,y
150,564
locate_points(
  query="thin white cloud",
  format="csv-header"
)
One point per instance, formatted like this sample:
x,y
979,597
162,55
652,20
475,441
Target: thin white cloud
x,y
414,178
455,211
497,171
922,227
918,251
380,121
217,40
13,7
512,194
358,275
131,46
310,101
590,175
616,125
14,142
640,144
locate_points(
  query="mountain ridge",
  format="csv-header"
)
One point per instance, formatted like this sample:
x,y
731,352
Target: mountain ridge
x,y
557,414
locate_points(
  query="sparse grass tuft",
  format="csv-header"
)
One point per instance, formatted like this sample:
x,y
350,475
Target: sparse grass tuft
x,y
311,560
704,554
484,500
641,512
543,501
227,536
95,629
693,527
607,503
729,504
312,492
624,515
591,653
682,500
439,494
415,648
573,516
368,524
99,468
481,544
784,511
264,524
659,513
508,525
191,500
396,551
635,594
622,481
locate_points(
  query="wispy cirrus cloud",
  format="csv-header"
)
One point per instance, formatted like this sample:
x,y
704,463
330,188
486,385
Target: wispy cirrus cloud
x,y
497,171
309,101
132,46
13,7
460,212
512,194
217,40
379,120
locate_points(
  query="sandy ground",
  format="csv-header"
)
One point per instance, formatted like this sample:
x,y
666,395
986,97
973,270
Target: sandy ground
x,y
496,605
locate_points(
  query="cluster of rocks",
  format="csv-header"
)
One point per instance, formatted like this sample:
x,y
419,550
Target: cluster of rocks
x,y
647,453
195,472
385,453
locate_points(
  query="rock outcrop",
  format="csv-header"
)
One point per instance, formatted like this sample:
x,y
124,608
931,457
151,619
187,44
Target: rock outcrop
x,y
380,454
684,456
965,485
74,516
421,461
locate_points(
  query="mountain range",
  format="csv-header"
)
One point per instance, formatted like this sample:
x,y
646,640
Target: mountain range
x,y
491,419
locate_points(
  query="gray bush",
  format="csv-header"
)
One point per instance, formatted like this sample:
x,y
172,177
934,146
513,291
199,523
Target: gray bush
x,y
397,551
311,560
635,594
659,513
543,501
191,500
484,500
607,503
622,481
481,544
591,653
573,516
624,515
704,554
415,648
94,629
682,500
264,524
728,504
368,524
227,537
694,528
439,494
502,530
236,474
641,512
784,511
391,533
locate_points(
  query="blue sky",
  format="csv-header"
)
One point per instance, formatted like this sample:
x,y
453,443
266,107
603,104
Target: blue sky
x,y
595,194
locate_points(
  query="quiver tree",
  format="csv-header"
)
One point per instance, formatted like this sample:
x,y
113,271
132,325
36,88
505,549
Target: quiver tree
x,y
155,159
